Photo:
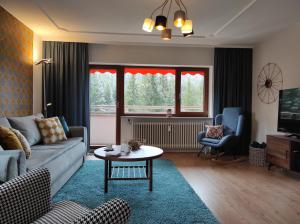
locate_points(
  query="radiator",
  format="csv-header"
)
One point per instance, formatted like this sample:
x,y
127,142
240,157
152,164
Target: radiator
x,y
170,136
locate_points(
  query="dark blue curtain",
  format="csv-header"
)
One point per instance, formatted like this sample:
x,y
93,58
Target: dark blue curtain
x,y
67,81
233,86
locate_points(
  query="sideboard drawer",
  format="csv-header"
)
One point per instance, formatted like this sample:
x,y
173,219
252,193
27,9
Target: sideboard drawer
x,y
279,151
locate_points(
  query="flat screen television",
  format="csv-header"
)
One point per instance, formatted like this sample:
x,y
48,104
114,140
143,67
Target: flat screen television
x,y
289,111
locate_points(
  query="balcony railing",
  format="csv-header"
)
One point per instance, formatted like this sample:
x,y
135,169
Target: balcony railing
x,y
111,109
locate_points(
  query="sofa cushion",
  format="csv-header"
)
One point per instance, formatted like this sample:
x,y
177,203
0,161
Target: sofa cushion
x,y
60,163
51,130
4,122
43,154
64,125
27,126
63,212
23,141
8,139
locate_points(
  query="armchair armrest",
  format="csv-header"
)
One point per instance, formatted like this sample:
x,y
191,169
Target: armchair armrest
x,y
19,157
240,125
227,140
8,168
219,119
25,198
79,131
115,211
201,135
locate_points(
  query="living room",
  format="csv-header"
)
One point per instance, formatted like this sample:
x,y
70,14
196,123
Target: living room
x,y
158,111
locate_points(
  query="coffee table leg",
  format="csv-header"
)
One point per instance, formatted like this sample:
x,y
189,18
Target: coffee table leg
x,y
150,174
109,168
147,168
105,176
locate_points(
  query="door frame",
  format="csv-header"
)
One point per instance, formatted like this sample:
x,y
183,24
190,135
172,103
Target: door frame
x,y
119,94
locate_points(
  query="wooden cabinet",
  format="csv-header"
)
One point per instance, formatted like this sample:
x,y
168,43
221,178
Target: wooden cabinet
x,y
283,151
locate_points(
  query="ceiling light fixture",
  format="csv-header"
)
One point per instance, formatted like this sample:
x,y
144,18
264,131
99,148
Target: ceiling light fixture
x,y
188,34
166,34
161,21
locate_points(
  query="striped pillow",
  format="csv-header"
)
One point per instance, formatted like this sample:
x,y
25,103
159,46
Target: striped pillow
x,y
23,141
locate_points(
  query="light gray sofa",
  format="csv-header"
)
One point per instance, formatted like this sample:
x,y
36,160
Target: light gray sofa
x,y
62,159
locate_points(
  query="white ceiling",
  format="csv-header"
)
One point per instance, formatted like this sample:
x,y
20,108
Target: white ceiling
x,y
216,22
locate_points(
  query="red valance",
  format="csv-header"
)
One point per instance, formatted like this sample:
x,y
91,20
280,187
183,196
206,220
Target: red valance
x,y
152,71
111,71
193,73
146,71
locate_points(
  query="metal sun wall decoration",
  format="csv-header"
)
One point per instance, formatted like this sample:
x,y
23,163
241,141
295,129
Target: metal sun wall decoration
x,y
269,82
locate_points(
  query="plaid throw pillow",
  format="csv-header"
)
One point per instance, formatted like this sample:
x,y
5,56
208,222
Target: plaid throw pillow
x,y
51,130
214,131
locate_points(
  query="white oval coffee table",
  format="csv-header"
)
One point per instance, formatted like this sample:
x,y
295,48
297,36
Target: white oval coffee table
x,y
136,172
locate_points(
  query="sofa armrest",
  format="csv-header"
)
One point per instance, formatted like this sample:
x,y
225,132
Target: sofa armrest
x,y
25,198
79,131
8,168
115,211
20,158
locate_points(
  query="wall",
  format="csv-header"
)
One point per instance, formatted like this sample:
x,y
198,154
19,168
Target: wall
x,y
37,74
158,55
143,55
282,48
15,66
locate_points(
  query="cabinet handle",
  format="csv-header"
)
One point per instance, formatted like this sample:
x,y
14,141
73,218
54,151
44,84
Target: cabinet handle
x,y
286,154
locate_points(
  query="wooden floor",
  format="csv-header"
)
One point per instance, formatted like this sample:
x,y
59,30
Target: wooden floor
x,y
240,193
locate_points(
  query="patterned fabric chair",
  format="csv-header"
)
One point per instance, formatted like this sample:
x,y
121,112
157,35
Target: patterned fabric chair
x,y
26,199
233,121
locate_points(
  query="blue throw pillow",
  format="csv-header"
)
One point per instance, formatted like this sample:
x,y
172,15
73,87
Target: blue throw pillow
x,y
64,125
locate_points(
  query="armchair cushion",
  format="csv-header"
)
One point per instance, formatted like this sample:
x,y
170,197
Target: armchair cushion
x,y
231,117
25,198
62,213
115,211
215,132
211,140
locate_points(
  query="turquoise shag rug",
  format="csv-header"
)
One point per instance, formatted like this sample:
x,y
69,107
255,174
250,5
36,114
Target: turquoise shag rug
x,y
171,201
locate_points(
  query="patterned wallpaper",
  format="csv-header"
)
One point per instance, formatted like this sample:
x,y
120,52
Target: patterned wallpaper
x,y
16,43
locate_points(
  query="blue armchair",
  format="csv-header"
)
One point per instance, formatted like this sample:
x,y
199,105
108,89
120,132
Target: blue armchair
x,y
233,121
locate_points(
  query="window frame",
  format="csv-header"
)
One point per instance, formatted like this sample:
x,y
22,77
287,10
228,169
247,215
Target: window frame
x,y
178,112
120,110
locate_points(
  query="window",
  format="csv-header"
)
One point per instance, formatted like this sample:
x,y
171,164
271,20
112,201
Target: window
x,y
192,91
103,91
149,90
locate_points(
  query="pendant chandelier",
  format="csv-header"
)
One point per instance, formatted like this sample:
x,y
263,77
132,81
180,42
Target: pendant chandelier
x,y
180,20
